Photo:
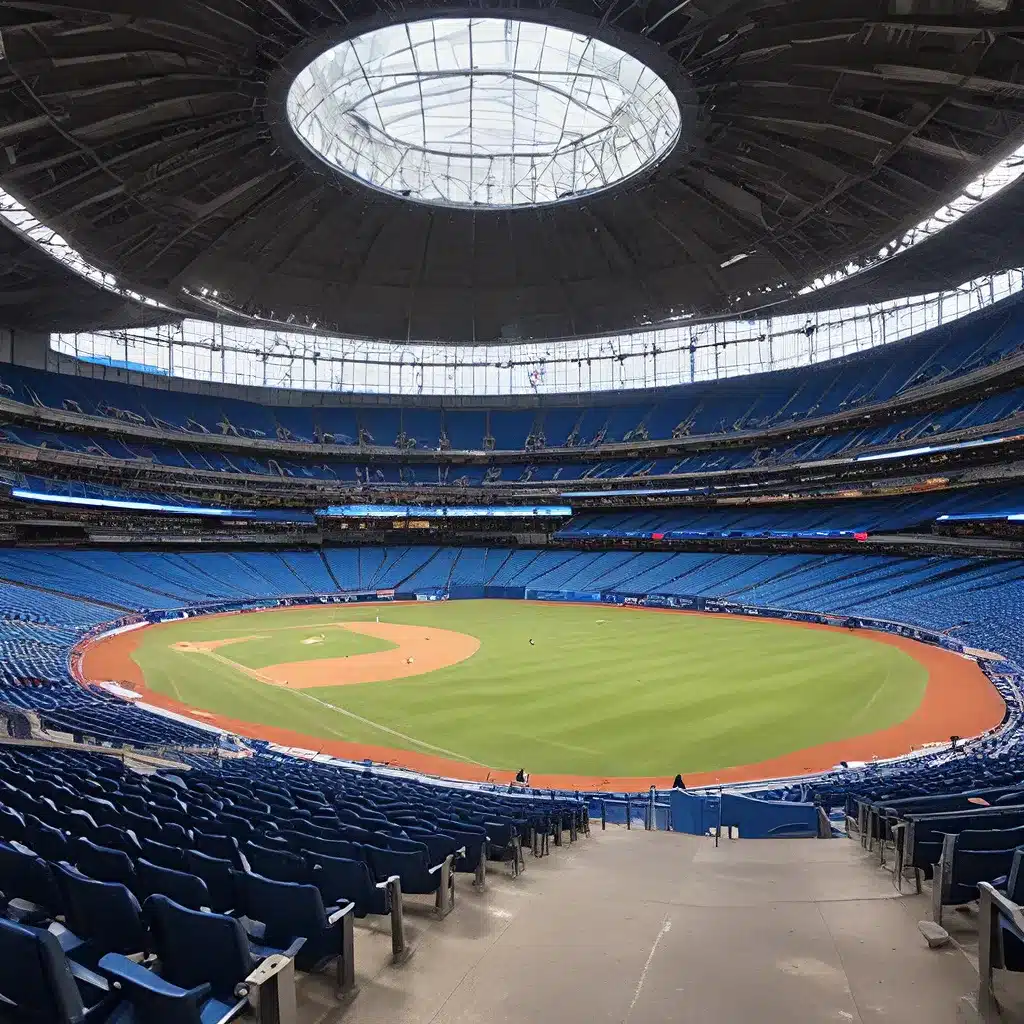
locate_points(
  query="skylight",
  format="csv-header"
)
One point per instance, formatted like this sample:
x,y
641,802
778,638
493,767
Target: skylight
x,y
485,112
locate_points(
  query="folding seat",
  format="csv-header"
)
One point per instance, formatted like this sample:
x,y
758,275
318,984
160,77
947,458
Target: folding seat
x,y
258,815
222,846
28,886
404,844
183,888
176,815
274,799
163,799
240,828
49,843
327,821
219,876
503,844
103,812
131,802
272,840
342,880
344,848
104,917
310,800
78,822
280,865
41,986
209,971
115,839
309,829
12,825
473,840
144,826
102,863
416,873
438,844
163,855
173,834
280,913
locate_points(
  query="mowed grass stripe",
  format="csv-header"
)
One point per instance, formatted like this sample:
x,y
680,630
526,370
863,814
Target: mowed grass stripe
x,y
603,691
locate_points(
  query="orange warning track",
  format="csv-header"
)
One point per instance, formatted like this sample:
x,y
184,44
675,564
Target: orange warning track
x,y
959,700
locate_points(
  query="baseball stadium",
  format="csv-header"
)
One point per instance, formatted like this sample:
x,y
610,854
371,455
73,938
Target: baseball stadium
x,y
511,511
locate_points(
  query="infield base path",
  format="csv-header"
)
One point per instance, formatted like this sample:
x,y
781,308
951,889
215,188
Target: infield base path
x,y
418,649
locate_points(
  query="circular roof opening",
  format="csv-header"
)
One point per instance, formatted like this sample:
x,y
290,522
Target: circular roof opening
x,y
483,112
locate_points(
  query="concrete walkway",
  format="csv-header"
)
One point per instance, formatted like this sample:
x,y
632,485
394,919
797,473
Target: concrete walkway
x,y
646,928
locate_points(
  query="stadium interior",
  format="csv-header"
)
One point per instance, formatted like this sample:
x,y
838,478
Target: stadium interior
x,y
706,307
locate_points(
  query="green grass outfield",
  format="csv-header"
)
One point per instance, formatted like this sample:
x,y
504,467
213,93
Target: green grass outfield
x,y
605,691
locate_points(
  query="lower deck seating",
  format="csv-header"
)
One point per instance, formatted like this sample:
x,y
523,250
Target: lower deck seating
x,y
259,856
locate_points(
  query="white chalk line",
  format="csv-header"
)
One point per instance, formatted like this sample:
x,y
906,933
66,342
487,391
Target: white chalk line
x,y
665,929
259,677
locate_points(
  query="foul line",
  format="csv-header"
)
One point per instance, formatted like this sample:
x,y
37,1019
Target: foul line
x,y
261,678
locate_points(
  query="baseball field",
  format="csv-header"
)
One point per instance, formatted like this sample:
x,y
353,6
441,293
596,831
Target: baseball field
x,y
588,692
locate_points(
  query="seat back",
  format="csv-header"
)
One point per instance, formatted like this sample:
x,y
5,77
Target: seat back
x,y
105,914
340,880
184,889
343,848
413,845
288,910
279,865
219,876
35,977
410,867
102,863
221,846
50,843
145,826
196,947
164,855
25,876
12,825
116,839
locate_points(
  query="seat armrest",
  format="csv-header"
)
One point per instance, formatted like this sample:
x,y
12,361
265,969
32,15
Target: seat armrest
x,y
387,881
338,914
128,974
435,868
461,851
273,965
90,978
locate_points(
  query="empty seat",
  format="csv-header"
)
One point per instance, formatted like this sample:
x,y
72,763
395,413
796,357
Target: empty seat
x,y
28,885
105,916
219,876
184,889
283,912
204,958
340,880
103,863
40,985
223,847
160,853
416,873
50,843
12,825
280,865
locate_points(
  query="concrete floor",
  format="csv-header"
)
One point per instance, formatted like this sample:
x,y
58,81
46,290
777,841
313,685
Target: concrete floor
x,y
645,928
